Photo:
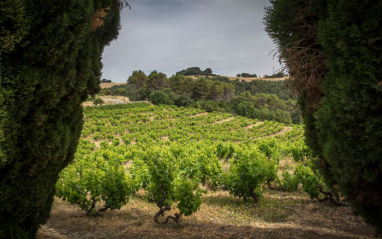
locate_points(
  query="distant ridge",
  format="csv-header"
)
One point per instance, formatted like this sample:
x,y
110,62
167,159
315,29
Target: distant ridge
x,y
248,79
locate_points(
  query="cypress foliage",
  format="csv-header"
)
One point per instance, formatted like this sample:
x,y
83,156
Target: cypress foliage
x,y
349,122
344,127
50,60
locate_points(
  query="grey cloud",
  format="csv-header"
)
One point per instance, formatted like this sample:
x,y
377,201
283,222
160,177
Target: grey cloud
x,y
171,35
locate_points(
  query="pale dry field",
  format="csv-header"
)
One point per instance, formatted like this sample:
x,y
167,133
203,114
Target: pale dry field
x,y
109,85
108,100
248,79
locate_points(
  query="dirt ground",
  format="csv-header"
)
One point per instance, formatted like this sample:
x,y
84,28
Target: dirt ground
x,y
279,215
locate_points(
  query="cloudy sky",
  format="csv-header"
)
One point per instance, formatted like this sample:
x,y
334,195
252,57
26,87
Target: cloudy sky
x,y
171,35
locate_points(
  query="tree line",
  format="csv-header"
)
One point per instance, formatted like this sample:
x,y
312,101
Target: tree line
x,y
213,94
196,71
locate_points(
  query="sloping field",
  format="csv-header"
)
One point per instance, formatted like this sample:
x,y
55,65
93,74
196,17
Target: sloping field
x,y
127,134
246,78
109,85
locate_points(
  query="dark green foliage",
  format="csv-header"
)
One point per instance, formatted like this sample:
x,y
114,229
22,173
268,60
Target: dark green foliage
x,y
105,92
121,92
50,60
160,97
184,100
98,101
265,107
105,81
246,75
260,86
345,129
157,81
195,71
276,75
349,122
180,84
215,94
247,109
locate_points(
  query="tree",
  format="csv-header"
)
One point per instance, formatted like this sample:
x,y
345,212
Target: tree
x,y
157,81
208,71
246,75
105,91
202,89
138,79
50,60
195,71
184,100
276,75
181,84
121,92
217,91
336,71
98,101
160,97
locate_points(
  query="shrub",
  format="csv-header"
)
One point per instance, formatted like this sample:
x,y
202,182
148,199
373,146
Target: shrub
x,y
91,182
247,173
160,97
98,101
289,182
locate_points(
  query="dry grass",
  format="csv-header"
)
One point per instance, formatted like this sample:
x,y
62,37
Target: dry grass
x,y
108,100
248,79
287,164
278,215
109,85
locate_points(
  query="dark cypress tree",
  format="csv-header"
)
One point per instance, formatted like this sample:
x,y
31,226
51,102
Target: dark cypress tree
x,y
344,123
349,123
50,61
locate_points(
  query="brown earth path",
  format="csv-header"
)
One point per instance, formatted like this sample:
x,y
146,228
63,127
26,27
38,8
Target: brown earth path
x,y
224,120
283,131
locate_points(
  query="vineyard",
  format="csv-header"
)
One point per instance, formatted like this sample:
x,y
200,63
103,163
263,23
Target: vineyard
x,y
177,162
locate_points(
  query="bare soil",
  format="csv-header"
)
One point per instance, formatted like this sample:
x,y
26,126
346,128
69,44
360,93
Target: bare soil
x,y
224,120
253,125
200,114
283,131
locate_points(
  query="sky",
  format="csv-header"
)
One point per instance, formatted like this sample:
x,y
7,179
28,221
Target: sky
x,y
171,35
